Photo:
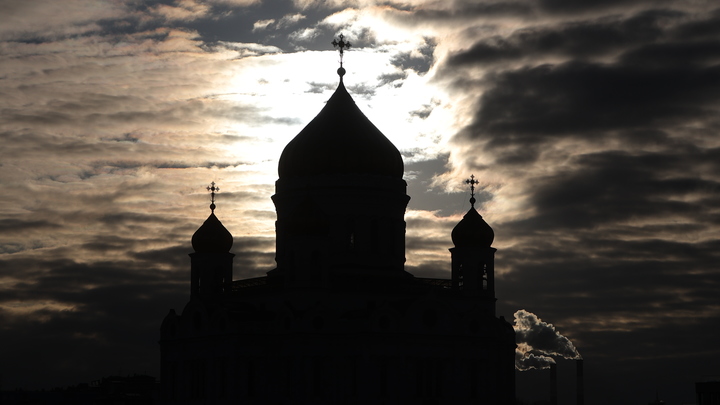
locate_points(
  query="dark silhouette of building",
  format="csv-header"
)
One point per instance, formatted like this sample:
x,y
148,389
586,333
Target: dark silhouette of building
x,y
579,383
708,392
339,320
111,390
657,401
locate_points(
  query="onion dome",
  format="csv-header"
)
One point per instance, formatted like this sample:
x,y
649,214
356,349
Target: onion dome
x,y
472,231
340,140
212,237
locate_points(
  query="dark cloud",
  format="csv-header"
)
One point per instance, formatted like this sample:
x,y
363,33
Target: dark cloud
x,y
257,214
651,282
706,27
430,269
237,22
392,78
362,90
458,11
576,40
606,126
639,273
99,318
420,62
651,88
608,187
632,303
675,54
11,225
320,88
125,138
423,112
88,318
527,105
570,6
425,194
422,243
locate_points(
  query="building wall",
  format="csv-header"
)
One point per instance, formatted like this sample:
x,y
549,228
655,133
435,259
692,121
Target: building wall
x,y
415,347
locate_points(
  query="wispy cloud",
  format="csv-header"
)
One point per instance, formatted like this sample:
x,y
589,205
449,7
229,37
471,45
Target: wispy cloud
x,y
262,24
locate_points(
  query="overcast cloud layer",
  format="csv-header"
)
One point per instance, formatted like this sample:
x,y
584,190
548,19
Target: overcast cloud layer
x,y
591,125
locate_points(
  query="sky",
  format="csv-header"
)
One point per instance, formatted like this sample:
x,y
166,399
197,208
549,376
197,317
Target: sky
x,y
592,127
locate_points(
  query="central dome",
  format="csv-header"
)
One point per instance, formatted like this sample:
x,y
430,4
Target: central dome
x,y
340,140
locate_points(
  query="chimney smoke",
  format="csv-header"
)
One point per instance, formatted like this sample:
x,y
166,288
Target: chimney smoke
x,y
537,340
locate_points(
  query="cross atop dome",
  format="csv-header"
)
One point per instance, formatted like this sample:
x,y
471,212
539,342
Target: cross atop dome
x,y
340,140
342,44
212,236
212,189
472,182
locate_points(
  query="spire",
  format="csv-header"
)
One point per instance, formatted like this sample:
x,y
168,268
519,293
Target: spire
x,y
472,182
341,45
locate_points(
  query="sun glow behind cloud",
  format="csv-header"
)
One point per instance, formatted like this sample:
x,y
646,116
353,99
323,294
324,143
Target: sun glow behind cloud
x,y
290,89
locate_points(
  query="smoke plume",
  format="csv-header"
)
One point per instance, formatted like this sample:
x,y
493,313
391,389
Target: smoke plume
x,y
537,341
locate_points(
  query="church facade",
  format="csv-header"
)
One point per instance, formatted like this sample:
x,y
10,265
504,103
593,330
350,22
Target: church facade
x,y
339,320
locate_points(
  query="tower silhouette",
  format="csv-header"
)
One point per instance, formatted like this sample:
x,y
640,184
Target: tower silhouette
x,y
339,320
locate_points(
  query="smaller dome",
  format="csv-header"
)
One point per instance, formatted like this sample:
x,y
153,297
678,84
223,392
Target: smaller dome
x,y
472,231
212,237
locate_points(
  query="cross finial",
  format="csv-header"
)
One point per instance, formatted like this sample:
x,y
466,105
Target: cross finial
x,y
472,182
212,189
342,44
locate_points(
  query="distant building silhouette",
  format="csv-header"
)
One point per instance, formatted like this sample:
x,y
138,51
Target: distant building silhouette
x,y
708,392
657,401
579,383
339,321
111,390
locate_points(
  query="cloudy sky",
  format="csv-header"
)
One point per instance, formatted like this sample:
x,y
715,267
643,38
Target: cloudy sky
x,y
591,125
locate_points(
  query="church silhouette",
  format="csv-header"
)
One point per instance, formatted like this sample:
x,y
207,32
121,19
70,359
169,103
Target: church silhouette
x,y
339,320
